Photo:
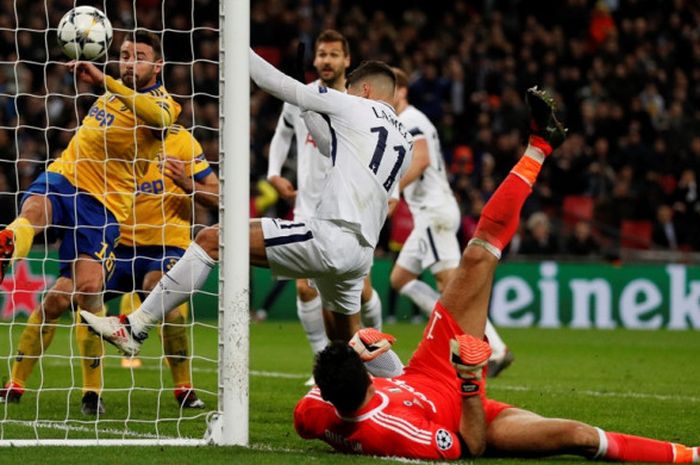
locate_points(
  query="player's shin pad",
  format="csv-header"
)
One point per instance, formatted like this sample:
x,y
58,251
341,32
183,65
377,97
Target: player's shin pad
x,y
469,355
370,343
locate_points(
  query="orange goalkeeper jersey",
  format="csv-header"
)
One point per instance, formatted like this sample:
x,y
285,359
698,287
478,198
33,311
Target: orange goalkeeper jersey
x,y
162,213
111,150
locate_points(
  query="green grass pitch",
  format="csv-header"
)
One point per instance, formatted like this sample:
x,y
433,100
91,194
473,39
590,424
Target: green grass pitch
x,y
631,381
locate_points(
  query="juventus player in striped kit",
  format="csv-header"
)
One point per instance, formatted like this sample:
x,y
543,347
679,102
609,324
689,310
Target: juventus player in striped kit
x,y
438,408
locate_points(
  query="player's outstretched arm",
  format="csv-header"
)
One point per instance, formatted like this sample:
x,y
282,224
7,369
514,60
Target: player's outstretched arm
x,y
154,111
283,87
145,106
469,355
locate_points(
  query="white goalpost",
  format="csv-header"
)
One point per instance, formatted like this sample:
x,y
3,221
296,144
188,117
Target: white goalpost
x,y
139,401
230,426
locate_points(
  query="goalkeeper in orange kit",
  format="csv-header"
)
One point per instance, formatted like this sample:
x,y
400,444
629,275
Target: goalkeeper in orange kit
x,y
438,409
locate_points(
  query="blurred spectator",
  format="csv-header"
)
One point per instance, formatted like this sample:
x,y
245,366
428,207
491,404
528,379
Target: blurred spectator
x,y
665,233
539,239
582,242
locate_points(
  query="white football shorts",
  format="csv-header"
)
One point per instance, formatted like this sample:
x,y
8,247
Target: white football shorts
x,y
331,256
432,244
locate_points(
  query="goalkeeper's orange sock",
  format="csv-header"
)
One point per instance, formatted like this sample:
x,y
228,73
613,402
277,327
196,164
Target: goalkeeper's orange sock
x,y
176,346
628,448
91,352
35,338
23,232
501,215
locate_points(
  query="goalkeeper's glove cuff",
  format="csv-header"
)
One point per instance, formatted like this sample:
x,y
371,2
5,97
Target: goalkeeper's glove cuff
x,y
370,343
469,355
471,387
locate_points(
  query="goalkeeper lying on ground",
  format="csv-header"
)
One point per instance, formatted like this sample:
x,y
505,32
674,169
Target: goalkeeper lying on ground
x,y
438,408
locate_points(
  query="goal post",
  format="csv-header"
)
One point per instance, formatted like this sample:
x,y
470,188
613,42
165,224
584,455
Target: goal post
x,y
141,409
230,427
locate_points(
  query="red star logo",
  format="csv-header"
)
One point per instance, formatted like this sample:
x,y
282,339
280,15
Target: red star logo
x,y
21,290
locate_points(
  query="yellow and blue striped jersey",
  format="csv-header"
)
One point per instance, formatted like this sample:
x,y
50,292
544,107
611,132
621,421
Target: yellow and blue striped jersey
x,y
162,213
112,149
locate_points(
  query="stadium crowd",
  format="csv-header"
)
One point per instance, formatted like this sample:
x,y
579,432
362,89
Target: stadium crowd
x,y
625,74
35,96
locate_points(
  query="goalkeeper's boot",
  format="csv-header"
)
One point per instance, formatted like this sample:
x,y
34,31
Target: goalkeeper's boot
x,y
92,404
7,248
543,121
11,393
497,364
115,330
187,398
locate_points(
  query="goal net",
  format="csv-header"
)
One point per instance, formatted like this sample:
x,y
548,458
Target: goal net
x,y
201,352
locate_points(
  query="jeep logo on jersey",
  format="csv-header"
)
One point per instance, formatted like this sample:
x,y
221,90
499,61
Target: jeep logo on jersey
x,y
152,187
443,439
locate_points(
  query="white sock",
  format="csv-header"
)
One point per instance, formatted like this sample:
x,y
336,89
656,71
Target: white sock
x,y
387,365
174,288
311,316
498,347
421,294
371,312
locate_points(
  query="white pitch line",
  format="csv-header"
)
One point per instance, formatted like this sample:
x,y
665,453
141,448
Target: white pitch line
x,y
588,392
56,425
258,373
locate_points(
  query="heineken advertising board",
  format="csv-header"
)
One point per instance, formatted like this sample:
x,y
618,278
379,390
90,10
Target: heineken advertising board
x,y
541,294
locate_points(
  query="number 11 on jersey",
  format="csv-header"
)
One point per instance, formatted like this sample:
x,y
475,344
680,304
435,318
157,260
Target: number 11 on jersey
x,y
379,151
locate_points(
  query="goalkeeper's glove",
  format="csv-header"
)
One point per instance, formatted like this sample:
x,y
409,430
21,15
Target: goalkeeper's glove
x,y
370,343
469,355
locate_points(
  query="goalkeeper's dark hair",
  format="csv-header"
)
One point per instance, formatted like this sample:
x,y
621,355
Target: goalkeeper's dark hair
x,y
144,36
371,68
341,376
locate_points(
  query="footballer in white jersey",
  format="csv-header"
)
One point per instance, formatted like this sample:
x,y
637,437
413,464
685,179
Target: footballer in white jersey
x,y
433,242
312,167
369,150
312,134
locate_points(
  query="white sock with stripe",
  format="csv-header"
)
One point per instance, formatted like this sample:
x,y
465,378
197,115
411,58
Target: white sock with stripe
x,y
311,317
371,312
421,294
498,347
174,288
